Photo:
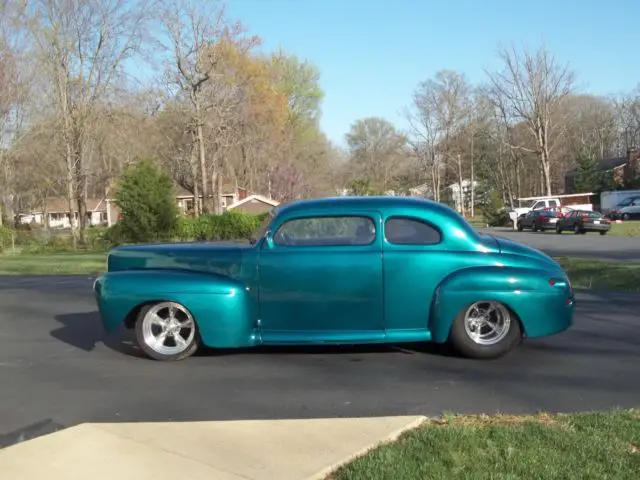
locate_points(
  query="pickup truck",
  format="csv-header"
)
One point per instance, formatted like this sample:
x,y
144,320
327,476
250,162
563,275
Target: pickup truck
x,y
542,203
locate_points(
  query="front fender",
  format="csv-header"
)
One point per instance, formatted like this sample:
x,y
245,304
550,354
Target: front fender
x,y
224,310
543,309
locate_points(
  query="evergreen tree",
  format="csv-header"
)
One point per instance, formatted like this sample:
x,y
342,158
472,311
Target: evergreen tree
x,y
588,177
145,197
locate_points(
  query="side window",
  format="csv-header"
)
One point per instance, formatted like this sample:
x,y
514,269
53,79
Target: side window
x,y
410,231
553,203
538,205
326,231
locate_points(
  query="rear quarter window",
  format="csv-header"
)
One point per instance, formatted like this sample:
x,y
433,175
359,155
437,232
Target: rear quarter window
x,y
411,231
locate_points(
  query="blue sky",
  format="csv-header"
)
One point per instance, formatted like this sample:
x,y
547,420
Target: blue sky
x,y
373,53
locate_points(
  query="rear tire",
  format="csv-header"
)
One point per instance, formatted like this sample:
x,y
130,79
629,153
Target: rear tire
x,y
558,229
534,227
166,331
519,227
576,229
603,233
473,337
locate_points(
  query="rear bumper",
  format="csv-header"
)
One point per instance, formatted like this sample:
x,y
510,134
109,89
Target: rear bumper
x,y
603,227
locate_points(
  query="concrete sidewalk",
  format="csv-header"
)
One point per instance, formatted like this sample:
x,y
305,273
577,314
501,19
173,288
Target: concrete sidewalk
x,y
238,450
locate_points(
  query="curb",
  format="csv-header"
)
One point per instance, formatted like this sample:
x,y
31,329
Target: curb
x,y
393,436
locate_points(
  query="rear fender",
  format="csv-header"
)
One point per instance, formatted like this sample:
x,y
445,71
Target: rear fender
x,y
224,310
540,307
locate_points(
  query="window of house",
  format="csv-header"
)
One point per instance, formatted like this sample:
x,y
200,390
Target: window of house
x,y
326,231
410,231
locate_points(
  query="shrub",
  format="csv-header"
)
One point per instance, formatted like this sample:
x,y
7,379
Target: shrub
x,y
145,197
227,226
493,210
6,234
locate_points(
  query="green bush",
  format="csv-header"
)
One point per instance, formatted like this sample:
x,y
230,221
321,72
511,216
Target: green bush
x,y
227,226
6,234
144,195
493,210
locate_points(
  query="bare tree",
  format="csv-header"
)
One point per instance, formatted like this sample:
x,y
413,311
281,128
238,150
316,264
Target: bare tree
x,y
82,47
531,89
441,108
375,146
198,33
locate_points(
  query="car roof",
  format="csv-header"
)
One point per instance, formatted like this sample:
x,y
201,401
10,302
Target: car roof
x,y
380,203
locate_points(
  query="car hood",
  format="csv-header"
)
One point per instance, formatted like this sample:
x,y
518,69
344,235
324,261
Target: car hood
x,y
220,258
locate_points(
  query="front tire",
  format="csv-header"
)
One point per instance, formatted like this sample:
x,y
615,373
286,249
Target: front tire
x,y
558,229
166,331
485,330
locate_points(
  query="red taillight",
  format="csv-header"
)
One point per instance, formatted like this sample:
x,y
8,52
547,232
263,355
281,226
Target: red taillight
x,y
585,218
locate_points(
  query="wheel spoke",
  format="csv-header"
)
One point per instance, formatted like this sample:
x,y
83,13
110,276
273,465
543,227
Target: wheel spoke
x,y
158,320
188,323
161,339
180,341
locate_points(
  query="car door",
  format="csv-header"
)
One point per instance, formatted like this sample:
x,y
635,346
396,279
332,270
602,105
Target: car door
x,y
413,268
320,279
634,209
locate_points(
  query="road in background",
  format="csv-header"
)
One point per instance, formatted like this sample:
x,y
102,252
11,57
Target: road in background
x,y
56,369
590,245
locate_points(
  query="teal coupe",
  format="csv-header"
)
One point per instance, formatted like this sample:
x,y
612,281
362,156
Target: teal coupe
x,y
345,270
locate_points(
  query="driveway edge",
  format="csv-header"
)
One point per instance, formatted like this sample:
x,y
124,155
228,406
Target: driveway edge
x,y
392,437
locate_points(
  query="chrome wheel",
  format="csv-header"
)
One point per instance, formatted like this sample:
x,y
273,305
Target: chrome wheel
x,y
487,323
168,328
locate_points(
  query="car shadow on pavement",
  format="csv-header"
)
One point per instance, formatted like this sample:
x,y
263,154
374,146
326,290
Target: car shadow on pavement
x,y
84,331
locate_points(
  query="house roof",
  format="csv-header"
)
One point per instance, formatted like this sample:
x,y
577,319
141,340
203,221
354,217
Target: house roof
x,y
227,189
606,164
61,205
251,198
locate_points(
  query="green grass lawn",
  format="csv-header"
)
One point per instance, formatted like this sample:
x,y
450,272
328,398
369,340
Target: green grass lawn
x,y
598,275
625,229
52,264
576,446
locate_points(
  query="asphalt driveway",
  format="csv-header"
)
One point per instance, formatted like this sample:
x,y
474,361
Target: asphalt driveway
x,y
590,245
56,370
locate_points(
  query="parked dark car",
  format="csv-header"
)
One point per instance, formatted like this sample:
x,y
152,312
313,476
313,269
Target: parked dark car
x,y
582,221
538,220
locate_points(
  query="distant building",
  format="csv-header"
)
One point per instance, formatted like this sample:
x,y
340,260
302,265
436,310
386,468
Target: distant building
x,y
622,169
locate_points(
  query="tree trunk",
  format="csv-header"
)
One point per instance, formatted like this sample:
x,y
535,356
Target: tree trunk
x,y
546,172
461,193
473,211
202,157
81,196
